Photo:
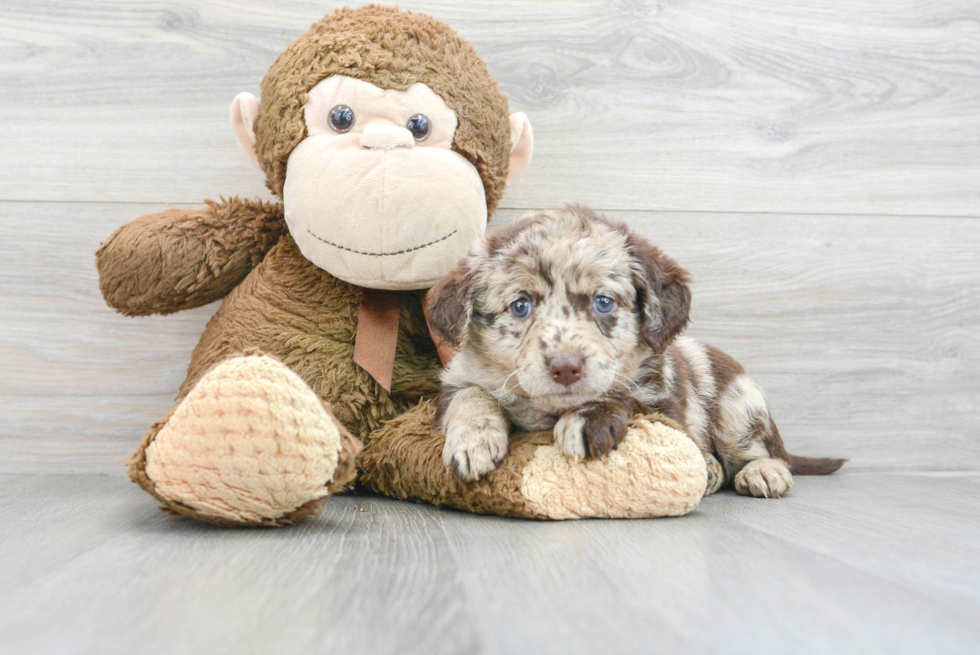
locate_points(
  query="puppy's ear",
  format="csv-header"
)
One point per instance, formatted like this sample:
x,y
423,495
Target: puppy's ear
x,y
662,293
448,304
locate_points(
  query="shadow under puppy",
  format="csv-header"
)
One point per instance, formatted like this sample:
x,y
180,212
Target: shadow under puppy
x,y
569,321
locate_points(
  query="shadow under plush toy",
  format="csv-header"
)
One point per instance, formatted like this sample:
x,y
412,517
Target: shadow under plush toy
x,y
389,145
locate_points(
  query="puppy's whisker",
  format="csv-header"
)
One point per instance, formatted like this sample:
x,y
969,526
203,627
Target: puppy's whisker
x,y
503,387
619,376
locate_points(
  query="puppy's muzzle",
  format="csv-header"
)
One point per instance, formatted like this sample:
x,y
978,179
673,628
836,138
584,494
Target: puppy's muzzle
x,y
566,370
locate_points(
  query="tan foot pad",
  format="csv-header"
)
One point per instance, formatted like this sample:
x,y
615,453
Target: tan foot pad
x,y
250,443
656,471
650,474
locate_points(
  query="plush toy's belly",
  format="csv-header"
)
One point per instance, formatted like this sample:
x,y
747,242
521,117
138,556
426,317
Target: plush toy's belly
x,y
292,310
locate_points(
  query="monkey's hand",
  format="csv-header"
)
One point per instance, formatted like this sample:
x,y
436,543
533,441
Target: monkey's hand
x,y
183,258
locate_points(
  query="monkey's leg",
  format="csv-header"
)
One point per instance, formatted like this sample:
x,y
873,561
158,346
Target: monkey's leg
x,y
249,444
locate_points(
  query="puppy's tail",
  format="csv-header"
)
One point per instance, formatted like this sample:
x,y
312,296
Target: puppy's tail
x,y
814,465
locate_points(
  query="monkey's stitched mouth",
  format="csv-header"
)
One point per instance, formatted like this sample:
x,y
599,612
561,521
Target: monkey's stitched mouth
x,y
381,254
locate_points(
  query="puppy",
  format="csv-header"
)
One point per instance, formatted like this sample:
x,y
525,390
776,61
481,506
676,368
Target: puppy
x,y
568,321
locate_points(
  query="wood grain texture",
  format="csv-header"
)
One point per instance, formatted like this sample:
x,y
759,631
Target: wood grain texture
x,y
915,530
706,581
869,106
813,163
351,582
864,331
848,563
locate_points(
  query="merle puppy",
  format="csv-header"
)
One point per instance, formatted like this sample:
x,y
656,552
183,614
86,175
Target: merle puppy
x,y
569,321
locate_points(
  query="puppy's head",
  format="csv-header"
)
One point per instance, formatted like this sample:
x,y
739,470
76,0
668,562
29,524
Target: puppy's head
x,y
564,304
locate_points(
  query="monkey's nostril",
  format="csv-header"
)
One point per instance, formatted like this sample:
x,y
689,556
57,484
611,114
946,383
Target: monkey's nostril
x,y
566,370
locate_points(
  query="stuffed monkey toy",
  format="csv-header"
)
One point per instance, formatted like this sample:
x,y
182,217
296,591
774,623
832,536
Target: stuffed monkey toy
x,y
388,146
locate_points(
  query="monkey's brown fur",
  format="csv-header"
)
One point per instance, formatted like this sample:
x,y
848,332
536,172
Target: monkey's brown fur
x,y
278,303
275,300
393,50
184,258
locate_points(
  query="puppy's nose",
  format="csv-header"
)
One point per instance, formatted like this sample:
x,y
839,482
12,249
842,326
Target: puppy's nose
x,y
566,370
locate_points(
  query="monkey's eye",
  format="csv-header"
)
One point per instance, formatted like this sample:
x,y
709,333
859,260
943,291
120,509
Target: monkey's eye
x,y
341,118
521,308
603,304
418,125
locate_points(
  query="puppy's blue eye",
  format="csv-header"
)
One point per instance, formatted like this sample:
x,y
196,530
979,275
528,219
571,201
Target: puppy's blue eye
x,y
603,304
521,308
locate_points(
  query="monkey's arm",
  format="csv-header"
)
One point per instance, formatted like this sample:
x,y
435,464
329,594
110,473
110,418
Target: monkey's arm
x,y
183,258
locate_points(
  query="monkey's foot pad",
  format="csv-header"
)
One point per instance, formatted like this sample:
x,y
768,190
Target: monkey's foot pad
x,y
656,471
250,444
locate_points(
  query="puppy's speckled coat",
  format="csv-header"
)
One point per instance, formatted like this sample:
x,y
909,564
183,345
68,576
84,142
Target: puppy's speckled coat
x,y
568,321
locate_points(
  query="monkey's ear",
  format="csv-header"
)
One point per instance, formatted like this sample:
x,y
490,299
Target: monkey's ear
x,y
521,146
244,111
662,293
448,305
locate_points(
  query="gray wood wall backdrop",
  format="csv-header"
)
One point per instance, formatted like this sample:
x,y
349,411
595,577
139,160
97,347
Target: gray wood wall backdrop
x,y
814,163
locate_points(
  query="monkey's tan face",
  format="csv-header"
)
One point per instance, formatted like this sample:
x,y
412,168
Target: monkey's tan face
x,y
374,194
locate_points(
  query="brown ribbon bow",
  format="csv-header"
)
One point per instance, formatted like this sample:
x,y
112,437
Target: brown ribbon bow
x,y
377,335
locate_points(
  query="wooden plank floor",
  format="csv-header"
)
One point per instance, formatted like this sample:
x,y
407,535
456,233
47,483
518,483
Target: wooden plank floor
x,y
88,565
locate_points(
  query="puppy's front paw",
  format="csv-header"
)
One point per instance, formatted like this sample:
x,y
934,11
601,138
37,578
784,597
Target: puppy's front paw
x,y
764,478
570,436
591,431
475,447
